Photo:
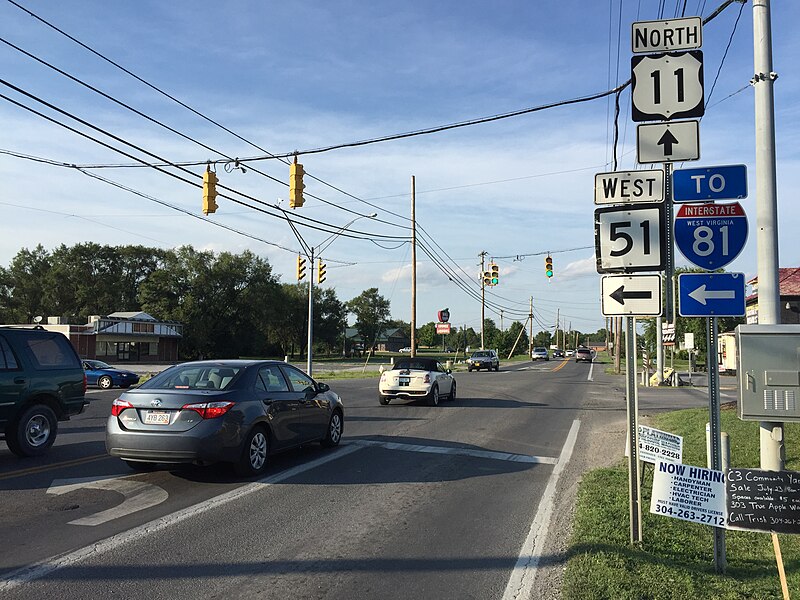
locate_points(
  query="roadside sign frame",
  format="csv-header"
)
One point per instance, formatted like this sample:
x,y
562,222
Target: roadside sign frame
x,y
613,295
719,303
609,258
662,25
735,175
638,180
687,241
654,101
646,142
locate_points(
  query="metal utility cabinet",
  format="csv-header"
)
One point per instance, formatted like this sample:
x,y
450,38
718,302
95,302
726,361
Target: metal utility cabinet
x,y
768,365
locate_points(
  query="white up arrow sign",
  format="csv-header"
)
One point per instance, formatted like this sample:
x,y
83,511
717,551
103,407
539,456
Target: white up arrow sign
x,y
138,496
701,294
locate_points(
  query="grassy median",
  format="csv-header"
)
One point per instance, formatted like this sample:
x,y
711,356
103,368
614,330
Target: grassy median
x,y
675,559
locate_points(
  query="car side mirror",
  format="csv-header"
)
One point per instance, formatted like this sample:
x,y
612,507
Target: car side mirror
x,y
323,387
448,371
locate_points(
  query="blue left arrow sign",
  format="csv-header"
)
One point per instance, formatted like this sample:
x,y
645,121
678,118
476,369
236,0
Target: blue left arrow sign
x,y
711,295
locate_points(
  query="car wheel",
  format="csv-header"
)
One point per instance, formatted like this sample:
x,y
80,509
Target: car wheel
x,y
140,467
469,369
105,382
253,460
453,392
335,430
383,399
497,368
433,397
33,432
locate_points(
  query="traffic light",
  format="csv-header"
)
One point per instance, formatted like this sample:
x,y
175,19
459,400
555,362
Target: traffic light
x,y
495,273
209,191
548,266
296,185
301,267
320,271
487,278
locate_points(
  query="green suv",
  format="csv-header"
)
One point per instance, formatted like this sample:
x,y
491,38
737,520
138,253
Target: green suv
x,y
41,382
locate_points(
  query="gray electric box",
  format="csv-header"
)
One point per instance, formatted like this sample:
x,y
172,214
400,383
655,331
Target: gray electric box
x,y
768,364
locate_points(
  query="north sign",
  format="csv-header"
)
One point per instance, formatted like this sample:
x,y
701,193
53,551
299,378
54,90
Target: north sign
x,y
667,142
667,86
709,183
710,235
629,238
711,295
667,35
631,295
631,186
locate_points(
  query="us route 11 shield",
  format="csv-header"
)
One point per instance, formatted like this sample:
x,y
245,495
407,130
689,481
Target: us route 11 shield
x,y
711,235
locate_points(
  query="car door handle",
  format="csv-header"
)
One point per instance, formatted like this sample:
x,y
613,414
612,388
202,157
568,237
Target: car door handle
x,y
19,380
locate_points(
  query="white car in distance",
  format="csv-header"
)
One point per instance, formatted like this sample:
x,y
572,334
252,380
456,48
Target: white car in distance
x,y
417,378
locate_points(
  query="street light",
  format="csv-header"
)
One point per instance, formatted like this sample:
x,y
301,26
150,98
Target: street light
x,y
311,252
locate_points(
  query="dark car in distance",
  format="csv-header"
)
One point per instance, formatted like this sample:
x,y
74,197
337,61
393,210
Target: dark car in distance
x,y
235,411
105,376
41,383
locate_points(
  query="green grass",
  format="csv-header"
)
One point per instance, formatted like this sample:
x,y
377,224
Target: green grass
x,y
675,559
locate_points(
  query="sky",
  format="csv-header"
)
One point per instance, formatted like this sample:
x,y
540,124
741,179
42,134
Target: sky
x,y
285,77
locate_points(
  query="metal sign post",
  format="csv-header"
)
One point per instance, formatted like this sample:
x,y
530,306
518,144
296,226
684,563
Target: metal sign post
x,y
715,429
632,395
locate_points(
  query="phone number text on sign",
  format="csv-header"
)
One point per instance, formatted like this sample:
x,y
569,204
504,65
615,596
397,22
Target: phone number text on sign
x,y
688,493
655,445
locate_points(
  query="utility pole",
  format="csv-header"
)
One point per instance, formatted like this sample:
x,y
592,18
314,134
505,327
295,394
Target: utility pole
x,y
771,433
483,298
501,319
530,319
310,307
413,269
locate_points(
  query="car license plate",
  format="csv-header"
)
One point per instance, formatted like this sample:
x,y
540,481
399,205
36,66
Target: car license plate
x,y
405,380
156,417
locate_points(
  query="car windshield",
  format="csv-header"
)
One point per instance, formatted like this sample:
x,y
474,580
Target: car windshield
x,y
194,377
539,350
419,364
98,364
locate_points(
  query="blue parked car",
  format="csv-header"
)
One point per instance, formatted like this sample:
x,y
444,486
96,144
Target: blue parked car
x,y
104,375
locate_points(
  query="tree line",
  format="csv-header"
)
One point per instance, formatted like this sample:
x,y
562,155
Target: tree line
x,y
230,304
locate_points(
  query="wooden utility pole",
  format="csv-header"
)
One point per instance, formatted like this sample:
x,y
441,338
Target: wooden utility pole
x,y
530,340
413,269
483,298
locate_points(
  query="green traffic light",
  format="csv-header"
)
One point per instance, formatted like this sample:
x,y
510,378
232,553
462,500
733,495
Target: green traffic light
x,y
549,272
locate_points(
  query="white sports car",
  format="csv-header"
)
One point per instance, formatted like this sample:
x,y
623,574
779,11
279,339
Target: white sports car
x,y
412,378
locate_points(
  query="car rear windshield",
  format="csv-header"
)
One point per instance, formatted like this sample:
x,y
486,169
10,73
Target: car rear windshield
x,y
418,364
52,352
482,355
193,377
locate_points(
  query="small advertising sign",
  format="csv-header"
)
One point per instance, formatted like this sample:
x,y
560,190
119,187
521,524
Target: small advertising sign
x,y
443,328
688,493
655,445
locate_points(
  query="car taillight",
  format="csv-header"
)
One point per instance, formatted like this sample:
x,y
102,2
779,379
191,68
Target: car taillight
x,y
85,383
118,405
209,410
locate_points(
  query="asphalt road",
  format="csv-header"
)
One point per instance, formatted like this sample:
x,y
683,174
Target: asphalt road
x,y
417,502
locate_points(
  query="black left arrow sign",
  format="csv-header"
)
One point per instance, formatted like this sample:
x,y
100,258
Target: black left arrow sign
x,y
620,295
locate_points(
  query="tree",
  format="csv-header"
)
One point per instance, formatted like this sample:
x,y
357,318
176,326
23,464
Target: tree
x,y
371,311
426,335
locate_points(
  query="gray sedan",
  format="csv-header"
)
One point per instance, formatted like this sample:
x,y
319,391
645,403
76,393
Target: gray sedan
x,y
234,411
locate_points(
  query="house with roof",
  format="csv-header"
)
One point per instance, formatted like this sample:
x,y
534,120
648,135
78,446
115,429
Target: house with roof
x,y
789,286
390,340
122,337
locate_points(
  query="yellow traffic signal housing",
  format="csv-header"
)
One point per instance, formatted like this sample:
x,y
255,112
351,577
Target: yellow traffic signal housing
x,y
301,267
487,278
320,271
296,185
548,266
209,192
495,273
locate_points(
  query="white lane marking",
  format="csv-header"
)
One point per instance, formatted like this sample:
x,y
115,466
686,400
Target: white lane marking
x,y
523,458
591,367
138,496
38,570
523,575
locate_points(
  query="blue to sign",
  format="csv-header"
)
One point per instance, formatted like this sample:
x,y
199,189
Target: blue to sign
x,y
709,183
711,295
710,235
